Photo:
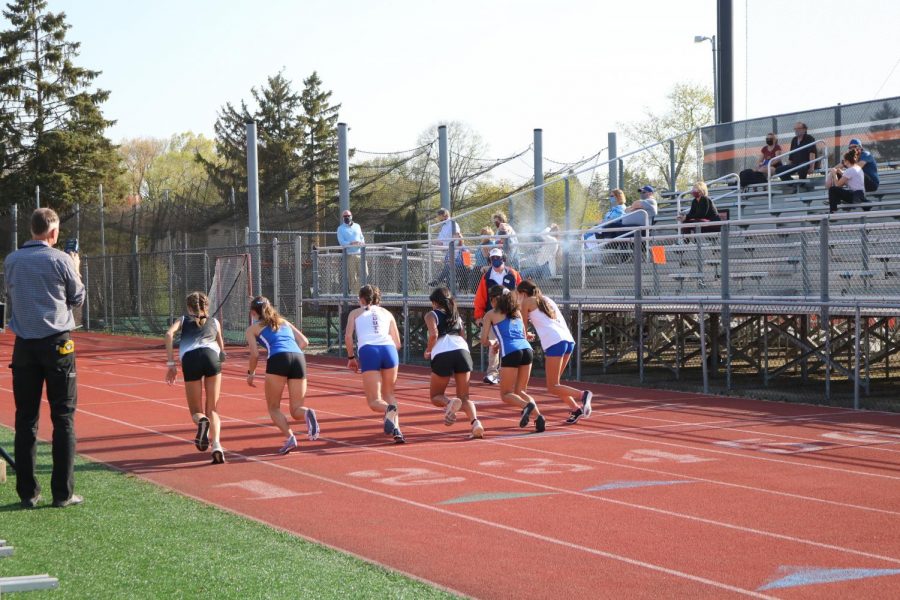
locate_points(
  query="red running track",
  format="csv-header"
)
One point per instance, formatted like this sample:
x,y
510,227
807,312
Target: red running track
x,y
658,494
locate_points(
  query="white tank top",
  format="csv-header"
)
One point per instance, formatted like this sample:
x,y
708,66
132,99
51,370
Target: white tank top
x,y
551,331
373,327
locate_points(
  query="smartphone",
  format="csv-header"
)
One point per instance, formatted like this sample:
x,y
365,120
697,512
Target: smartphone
x,y
71,245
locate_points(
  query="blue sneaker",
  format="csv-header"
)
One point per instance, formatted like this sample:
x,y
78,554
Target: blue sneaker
x,y
389,425
289,444
312,425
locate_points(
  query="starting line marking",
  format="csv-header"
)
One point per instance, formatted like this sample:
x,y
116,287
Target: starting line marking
x,y
265,491
646,455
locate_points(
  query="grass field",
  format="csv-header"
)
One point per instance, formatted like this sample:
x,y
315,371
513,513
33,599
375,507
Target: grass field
x,y
132,539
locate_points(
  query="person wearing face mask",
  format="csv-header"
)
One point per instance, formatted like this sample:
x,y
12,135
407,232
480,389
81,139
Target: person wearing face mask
x,y
757,175
703,209
612,218
350,236
498,274
798,157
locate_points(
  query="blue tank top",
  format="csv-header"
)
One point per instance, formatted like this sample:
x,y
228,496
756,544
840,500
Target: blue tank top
x,y
279,341
511,335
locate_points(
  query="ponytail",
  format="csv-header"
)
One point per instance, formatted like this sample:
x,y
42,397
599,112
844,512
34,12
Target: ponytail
x,y
371,294
507,303
198,304
267,313
443,298
528,287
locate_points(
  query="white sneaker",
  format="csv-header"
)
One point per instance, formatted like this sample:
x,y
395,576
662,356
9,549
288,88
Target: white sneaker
x,y
450,414
477,430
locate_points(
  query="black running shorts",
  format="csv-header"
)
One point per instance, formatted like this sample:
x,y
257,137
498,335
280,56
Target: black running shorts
x,y
287,364
200,363
446,364
517,358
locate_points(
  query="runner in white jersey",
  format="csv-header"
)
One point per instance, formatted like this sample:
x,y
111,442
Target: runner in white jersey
x,y
376,355
558,344
449,354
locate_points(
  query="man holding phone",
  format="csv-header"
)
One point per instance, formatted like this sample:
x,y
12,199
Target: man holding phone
x,y
43,285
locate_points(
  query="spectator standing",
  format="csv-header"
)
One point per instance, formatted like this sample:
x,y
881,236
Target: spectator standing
x,y
498,274
798,157
852,177
506,237
867,162
44,285
350,236
448,232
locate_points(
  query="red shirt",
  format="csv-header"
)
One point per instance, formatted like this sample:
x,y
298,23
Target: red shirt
x,y
770,154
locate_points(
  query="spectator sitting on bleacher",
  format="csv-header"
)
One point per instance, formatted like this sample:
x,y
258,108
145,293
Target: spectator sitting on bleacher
x,y
703,209
798,157
867,162
647,203
483,252
852,177
757,175
511,241
541,260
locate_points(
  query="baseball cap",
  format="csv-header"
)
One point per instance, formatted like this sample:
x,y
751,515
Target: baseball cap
x,y
497,252
855,142
647,189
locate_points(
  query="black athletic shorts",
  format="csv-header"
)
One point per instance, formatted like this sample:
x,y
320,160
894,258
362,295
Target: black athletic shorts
x,y
287,364
517,358
446,364
200,363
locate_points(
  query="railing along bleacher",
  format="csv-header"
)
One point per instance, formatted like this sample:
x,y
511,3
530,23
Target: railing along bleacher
x,y
823,159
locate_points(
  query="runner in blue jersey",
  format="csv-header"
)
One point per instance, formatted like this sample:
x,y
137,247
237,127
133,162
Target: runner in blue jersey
x,y
285,365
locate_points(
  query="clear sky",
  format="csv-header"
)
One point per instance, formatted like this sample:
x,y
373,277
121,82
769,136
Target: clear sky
x,y
573,68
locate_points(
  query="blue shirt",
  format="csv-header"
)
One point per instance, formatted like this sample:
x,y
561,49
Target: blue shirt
x,y
347,234
616,212
511,335
279,341
871,168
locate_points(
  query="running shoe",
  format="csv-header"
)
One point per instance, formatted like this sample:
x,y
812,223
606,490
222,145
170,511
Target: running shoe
x,y
574,416
586,403
398,437
389,425
289,444
218,455
491,379
450,414
526,414
477,430
201,441
312,425
540,424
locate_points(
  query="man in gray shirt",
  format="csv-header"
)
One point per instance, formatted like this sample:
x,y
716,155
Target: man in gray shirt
x,y
43,285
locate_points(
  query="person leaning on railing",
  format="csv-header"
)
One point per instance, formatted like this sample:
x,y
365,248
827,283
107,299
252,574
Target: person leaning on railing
x,y
850,176
798,157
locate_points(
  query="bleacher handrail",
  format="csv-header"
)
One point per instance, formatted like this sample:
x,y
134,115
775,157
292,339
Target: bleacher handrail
x,y
823,158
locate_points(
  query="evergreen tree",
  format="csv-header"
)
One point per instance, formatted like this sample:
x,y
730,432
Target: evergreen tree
x,y
279,136
52,126
319,150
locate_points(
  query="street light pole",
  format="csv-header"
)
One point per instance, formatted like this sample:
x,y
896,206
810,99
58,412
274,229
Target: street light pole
x,y
697,40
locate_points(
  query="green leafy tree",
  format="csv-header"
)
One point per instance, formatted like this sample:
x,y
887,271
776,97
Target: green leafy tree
x,y
52,124
279,120
690,107
319,151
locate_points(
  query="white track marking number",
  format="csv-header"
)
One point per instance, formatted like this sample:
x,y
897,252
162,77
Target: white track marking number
x,y
539,466
406,477
653,456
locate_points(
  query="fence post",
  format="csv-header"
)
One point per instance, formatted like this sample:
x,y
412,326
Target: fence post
x,y
172,286
87,296
276,278
298,279
205,270
15,227
578,342
404,271
112,296
345,273
451,267
824,294
363,272
856,359
567,292
315,272
705,363
638,254
672,165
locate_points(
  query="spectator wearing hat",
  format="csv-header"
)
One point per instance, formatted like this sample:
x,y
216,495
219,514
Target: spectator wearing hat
x,y
867,162
647,203
798,157
498,274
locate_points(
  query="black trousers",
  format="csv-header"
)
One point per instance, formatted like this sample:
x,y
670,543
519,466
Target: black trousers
x,y
33,363
838,195
801,173
871,186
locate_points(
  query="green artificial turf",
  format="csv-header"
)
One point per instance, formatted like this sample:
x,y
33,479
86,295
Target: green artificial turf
x,y
132,539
